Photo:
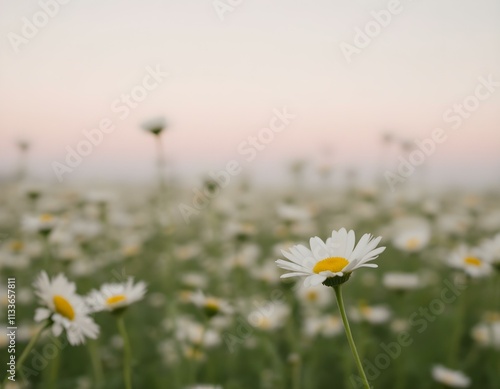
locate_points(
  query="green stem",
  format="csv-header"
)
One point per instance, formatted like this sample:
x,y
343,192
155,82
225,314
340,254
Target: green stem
x,y
27,350
127,352
54,371
96,362
340,301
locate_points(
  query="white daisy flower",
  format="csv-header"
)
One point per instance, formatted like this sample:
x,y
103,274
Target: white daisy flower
x,y
211,305
487,334
401,281
64,308
314,296
412,235
470,260
451,378
155,125
112,297
43,223
337,257
491,249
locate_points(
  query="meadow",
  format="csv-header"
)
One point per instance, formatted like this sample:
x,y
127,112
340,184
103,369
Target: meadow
x,y
216,314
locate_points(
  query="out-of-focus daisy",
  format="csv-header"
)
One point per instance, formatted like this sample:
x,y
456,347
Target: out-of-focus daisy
x,y
210,305
451,378
64,309
314,296
116,296
491,250
332,260
401,281
271,318
412,235
487,333
470,260
155,125
374,314
42,224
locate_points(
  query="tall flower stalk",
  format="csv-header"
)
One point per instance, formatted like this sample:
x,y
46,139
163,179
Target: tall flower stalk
x,y
331,263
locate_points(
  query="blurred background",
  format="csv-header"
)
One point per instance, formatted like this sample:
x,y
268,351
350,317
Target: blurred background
x,y
229,66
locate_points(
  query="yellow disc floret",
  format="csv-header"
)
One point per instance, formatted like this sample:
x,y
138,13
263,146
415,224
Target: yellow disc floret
x,y
115,299
63,307
333,264
473,261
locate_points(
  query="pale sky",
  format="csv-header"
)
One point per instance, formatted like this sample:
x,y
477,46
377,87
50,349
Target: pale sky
x,y
227,76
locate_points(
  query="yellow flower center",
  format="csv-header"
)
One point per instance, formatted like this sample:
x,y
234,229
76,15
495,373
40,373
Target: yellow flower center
x,y
46,218
16,245
115,299
212,304
412,244
312,295
473,261
333,264
63,307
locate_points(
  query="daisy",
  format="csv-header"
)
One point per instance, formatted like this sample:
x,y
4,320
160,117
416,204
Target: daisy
x,y
412,238
116,297
64,309
401,281
471,261
210,305
451,378
333,260
491,248
42,224
487,333
154,126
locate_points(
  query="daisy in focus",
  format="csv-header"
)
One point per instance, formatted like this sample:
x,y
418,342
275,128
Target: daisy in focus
x,y
116,297
334,259
64,309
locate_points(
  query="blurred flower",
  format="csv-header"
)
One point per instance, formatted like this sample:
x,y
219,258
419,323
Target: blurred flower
x,y
487,334
210,305
43,224
64,309
116,297
451,378
337,258
491,250
401,281
154,126
470,260
314,296
411,235
374,314
271,318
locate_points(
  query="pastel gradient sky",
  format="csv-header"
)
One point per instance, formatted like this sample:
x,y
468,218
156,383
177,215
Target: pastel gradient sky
x,y
225,78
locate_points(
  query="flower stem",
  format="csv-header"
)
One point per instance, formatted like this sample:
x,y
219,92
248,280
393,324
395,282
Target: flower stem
x,y
340,301
96,363
28,349
127,352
